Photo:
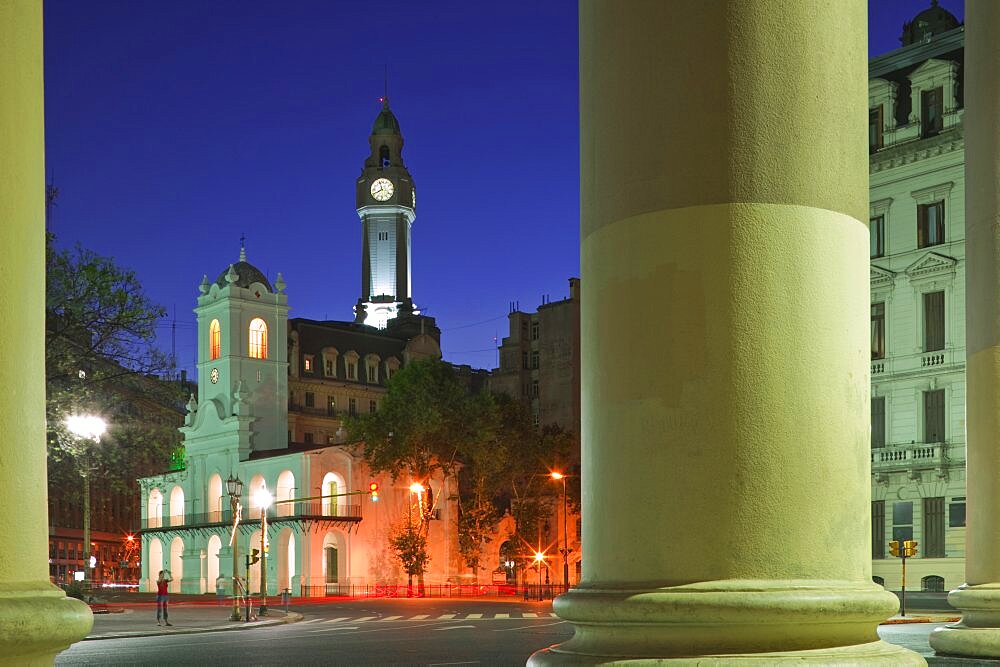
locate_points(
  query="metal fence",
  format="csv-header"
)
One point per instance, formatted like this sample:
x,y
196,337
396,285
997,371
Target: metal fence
x,y
529,592
281,511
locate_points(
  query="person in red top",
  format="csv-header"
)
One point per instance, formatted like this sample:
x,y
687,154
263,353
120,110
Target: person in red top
x,y
161,596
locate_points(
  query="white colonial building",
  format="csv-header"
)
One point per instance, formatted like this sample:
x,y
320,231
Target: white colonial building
x,y
271,394
918,303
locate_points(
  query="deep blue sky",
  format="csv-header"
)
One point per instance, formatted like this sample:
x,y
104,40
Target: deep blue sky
x,y
175,127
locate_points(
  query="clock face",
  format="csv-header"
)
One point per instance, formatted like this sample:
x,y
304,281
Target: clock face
x,y
382,189
214,375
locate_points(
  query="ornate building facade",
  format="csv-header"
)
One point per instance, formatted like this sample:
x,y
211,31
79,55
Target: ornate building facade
x,y
917,225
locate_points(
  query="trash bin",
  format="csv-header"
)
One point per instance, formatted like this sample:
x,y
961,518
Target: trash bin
x,y
286,594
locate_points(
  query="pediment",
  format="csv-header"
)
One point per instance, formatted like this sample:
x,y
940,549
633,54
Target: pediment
x,y
880,277
931,264
930,68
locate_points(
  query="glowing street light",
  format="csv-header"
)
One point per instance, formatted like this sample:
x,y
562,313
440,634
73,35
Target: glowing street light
x,y
263,499
558,476
234,487
86,427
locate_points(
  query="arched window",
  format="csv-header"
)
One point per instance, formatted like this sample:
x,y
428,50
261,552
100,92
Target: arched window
x,y
933,583
383,154
878,580
258,339
214,340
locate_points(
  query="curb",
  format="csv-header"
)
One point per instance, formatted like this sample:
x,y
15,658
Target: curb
x,y
290,617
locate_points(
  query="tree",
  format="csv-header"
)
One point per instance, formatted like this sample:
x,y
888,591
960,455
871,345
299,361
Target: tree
x,y
409,546
99,335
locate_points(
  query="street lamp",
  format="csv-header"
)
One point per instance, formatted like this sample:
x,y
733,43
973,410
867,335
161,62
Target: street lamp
x,y
263,499
86,427
539,561
565,550
235,489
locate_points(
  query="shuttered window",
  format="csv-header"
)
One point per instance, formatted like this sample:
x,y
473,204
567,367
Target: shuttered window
x,y
934,416
878,421
878,529
933,321
878,331
930,224
933,528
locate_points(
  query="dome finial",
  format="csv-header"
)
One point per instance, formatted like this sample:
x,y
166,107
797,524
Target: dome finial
x,y
243,247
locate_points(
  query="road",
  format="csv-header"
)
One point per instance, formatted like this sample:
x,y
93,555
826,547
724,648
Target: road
x,y
363,632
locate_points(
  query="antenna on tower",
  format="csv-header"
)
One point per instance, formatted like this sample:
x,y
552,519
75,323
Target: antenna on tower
x,y
173,342
243,247
386,96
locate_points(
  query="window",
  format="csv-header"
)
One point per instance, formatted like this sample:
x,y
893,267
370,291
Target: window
x,y
258,339
878,331
308,437
328,367
331,406
534,331
310,399
932,583
307,363
876,230
930,224
352,370
902,521
956,512
878,421
933,528
878,529
878,580
534,388
214,340
372,406
534,359
933,321
352,407
931,112
524,359
875,125
934,415
383,236
372,373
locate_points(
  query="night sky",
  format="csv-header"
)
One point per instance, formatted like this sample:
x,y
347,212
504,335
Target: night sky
x,y
175,127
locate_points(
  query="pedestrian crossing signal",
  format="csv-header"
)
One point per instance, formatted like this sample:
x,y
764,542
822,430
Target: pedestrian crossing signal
x,y
254,556
910,548
373,489
894,548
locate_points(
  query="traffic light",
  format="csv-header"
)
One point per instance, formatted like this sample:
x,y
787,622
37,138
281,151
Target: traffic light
x,y
373,489
894,548
909,548
254,556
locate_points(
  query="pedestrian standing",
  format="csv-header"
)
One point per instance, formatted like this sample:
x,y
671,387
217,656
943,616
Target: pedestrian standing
x,y
161,596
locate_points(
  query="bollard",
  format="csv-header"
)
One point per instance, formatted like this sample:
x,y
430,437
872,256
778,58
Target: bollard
x,y
286,593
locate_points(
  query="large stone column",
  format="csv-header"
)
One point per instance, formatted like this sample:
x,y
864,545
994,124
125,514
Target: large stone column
x,y
978,634
724,200
36,619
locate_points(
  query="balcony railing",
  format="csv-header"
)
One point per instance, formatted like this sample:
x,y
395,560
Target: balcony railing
x,y
345,514
908,457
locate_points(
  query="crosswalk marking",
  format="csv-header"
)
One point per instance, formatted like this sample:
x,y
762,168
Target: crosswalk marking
x,y
529,614
422,617
419,617
502,616
474,616
552,614
337,620
391,618
365,618
445,617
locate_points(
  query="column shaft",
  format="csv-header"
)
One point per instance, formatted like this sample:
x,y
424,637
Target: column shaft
x,y
978,634
36,619
724,336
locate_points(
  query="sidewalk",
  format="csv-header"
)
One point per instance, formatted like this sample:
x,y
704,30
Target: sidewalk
x,y
134,615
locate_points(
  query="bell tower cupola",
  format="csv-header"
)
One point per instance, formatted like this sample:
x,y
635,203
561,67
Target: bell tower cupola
x,y
386,204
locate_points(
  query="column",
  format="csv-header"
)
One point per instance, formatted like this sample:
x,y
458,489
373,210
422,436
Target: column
x,y
978,634
724,333
192,574
37,620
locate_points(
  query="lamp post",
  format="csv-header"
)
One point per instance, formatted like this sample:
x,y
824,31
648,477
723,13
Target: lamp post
x,y
539,560
235,489
86,427
263,499
565,550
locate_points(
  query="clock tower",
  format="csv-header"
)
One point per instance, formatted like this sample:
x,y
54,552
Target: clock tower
x,y
386,204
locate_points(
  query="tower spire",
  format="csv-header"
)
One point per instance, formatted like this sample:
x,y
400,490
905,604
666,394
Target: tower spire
x,y
243,247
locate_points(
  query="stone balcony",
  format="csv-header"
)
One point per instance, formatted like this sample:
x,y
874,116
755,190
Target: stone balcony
x,y
931,457
919,362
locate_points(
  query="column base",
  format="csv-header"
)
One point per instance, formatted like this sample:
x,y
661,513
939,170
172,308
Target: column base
x,y
977,635
752,621
38,621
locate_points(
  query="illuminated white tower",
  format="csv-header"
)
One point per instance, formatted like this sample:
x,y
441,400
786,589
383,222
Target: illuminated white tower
x,y
386,203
